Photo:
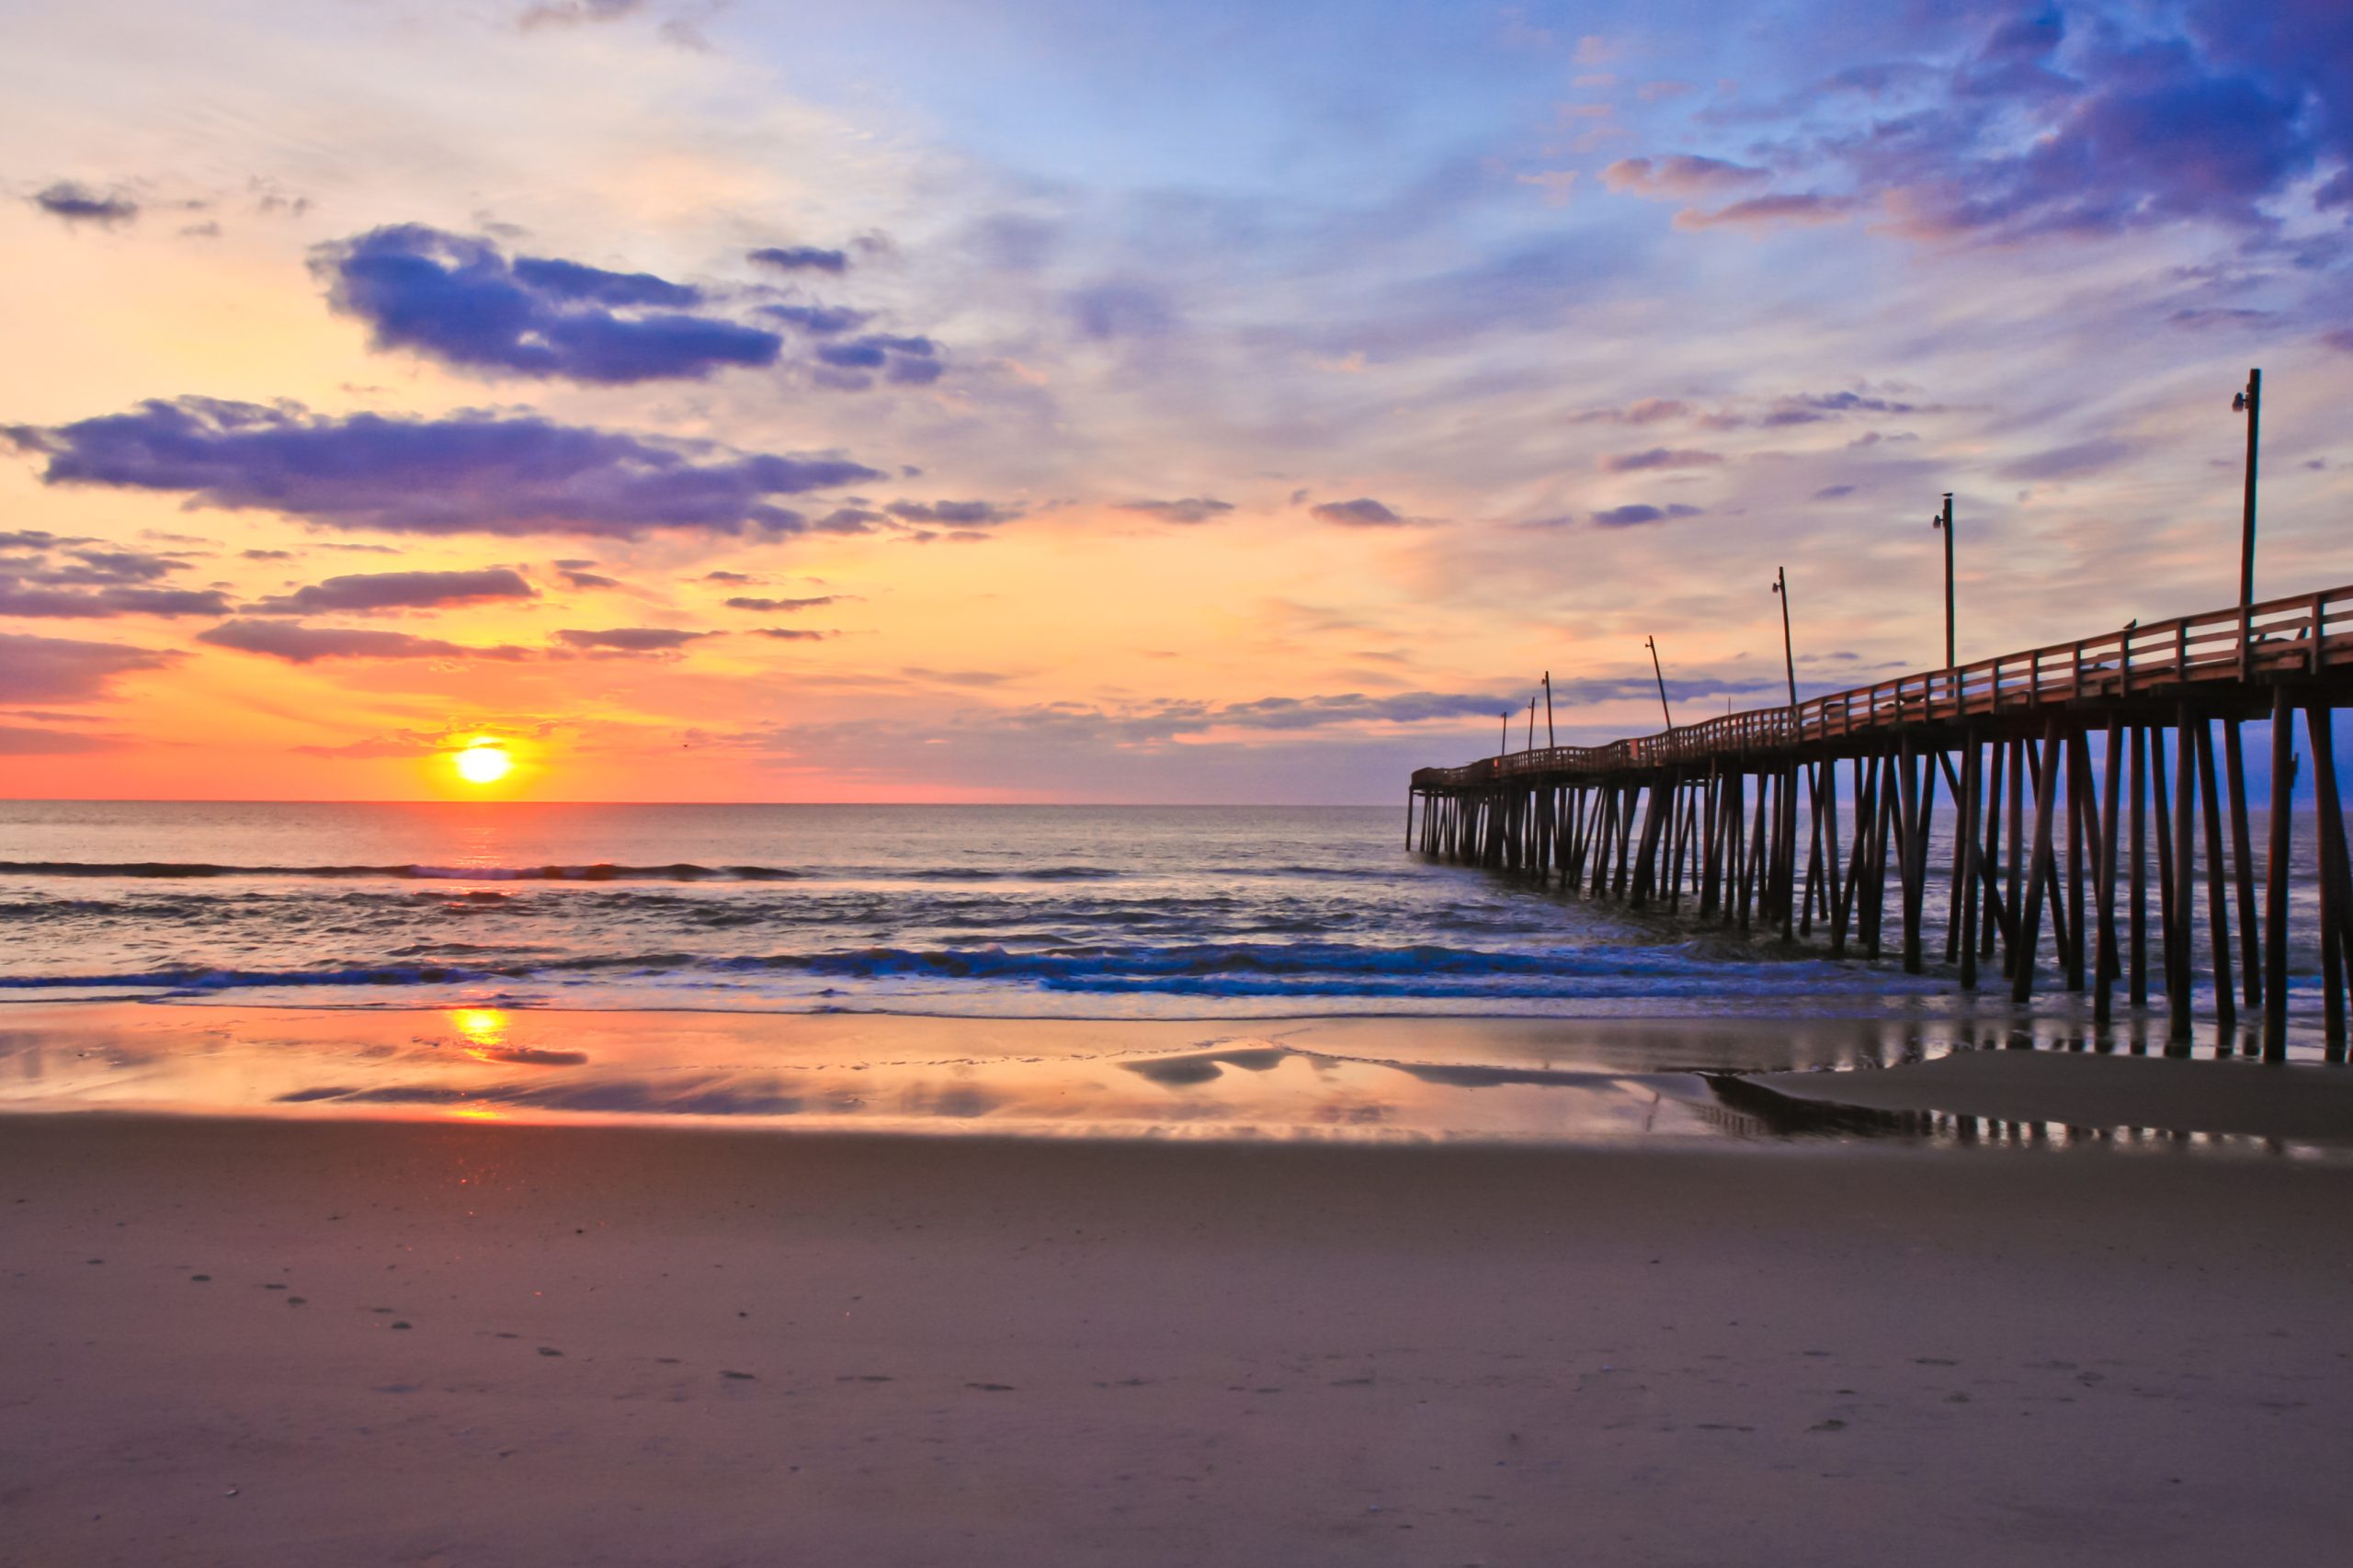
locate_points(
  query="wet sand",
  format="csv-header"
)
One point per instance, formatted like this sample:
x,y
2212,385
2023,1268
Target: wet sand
x,y
299,1342
1584,1081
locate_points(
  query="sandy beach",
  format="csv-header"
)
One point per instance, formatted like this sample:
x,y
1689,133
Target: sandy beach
x,y
287,1341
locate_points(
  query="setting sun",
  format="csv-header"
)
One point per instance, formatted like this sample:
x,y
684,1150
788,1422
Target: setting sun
x,y
482,763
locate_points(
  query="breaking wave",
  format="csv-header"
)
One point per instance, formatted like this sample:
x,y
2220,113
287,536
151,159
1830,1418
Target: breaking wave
x,y
1270,969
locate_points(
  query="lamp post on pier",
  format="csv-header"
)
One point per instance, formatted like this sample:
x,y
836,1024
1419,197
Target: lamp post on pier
x,y
2249,401
1785,874
1943,522
1789,649
1660,675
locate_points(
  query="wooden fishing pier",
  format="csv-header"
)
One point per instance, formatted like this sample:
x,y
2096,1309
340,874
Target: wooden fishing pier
x,y
1718,816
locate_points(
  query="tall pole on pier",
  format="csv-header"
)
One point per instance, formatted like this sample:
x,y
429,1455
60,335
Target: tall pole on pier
x,y
1531,724
1550,739
1943,521
1504,745
2249,403
1660,675
1789,649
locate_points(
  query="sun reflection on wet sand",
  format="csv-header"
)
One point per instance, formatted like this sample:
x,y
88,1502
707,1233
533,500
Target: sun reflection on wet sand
x,y
484,1030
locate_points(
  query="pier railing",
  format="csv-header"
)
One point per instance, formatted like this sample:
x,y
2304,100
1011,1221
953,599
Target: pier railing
x,y
2277,639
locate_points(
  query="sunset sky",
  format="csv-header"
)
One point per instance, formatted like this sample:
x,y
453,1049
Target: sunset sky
x,y
915,401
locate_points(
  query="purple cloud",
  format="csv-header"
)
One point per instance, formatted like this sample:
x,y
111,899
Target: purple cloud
x,y
801,258
97,604
956,514
1364,512
459,300
848,520
90,568
466,473
42,671
1643,411
2039,133
1658,457
361,592
785,605
1637,514
299,645
78,204
1190,509
630,638
819,321
850,365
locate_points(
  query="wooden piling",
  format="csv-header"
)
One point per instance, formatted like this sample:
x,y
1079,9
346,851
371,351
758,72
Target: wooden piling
x,y
2031,922
2242,866
2275,879
2139,996
2185,853
2159,796
1993,857
2217,884
2105,965
1965,840
2336,879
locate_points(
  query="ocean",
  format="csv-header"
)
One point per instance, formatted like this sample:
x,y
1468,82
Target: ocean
x,y
1004,911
